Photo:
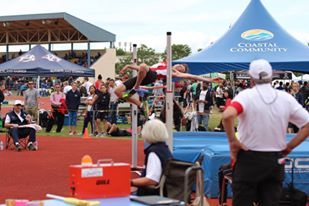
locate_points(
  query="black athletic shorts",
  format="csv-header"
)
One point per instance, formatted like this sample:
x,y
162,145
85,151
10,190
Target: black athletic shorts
x,y
151,77
120,133
102,116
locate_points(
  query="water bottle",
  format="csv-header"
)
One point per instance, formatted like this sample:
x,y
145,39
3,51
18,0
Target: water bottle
x,y
1,145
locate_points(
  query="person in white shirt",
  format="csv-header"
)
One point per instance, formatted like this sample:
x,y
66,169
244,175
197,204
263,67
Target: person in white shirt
x,y
87,84
113,104
263,113
66,87
203,100
156,156
118,80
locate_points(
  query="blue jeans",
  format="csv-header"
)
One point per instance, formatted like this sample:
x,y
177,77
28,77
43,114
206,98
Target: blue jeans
x,y
72,118
203,120
113,113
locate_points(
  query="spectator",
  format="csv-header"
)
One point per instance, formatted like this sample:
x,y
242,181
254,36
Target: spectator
x,y
1,95
89,110
113,101
156,156
204,102
31,101
83,91
118,80
304,90
177,115
87,84
101,101
292,128
158,91
16,118
280,87
219,95
66,87
58,105
98,83
22,89
72,102
114,131
296,93
287,87
107,81
227,100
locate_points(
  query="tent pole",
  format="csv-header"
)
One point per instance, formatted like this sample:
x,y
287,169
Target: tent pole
x,y
7,53
88,54
134,118
38,89
233,82
169,92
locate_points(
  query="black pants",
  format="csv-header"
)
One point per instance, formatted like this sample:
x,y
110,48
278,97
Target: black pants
x,y
88,118
58,118
257,177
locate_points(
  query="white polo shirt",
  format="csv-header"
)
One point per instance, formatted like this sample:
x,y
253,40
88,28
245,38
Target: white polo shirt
x,y
154,168
265,115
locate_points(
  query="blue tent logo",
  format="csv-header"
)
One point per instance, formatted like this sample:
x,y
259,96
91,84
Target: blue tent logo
x,y
257,35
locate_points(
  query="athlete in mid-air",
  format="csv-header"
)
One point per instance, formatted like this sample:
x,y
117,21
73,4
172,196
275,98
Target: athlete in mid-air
x,y
147,75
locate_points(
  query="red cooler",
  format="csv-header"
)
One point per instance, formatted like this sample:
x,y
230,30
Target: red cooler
x,y
101,180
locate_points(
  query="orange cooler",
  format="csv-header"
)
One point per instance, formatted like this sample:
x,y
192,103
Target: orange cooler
x,y
101,180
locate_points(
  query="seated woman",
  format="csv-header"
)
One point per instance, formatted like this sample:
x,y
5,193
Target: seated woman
x,y
156,155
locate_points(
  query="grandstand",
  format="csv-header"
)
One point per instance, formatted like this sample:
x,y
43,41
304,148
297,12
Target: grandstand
x,y
59,28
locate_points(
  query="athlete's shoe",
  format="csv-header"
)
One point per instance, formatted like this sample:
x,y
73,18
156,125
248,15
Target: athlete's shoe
x,y
129,94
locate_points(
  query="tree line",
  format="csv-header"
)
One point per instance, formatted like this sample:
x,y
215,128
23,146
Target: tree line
x,y
149,56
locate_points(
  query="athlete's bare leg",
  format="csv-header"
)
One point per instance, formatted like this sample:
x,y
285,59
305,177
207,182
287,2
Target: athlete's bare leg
x,y
113,128
135,100
119,91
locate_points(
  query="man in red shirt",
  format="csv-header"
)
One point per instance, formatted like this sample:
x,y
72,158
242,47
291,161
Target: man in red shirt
x,y
98,82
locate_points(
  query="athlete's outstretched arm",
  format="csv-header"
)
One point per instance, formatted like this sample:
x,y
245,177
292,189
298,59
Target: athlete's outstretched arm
x,y
190,76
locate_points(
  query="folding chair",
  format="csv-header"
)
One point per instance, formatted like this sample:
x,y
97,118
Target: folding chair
x,y
23,141
225,175
225,178
178,179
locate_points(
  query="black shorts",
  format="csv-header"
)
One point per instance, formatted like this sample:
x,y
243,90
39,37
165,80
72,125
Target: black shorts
x,y
102,116
120,133
151,77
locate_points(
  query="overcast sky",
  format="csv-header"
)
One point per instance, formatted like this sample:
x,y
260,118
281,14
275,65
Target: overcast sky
x,y
192,22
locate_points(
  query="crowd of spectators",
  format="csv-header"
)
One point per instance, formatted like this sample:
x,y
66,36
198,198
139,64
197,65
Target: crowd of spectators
x,y
194,101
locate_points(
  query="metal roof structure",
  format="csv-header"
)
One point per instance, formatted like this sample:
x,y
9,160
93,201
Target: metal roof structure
x,y
50,28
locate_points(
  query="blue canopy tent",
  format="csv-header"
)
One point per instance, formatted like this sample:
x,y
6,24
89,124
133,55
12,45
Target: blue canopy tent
x,y
40,62
255,35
